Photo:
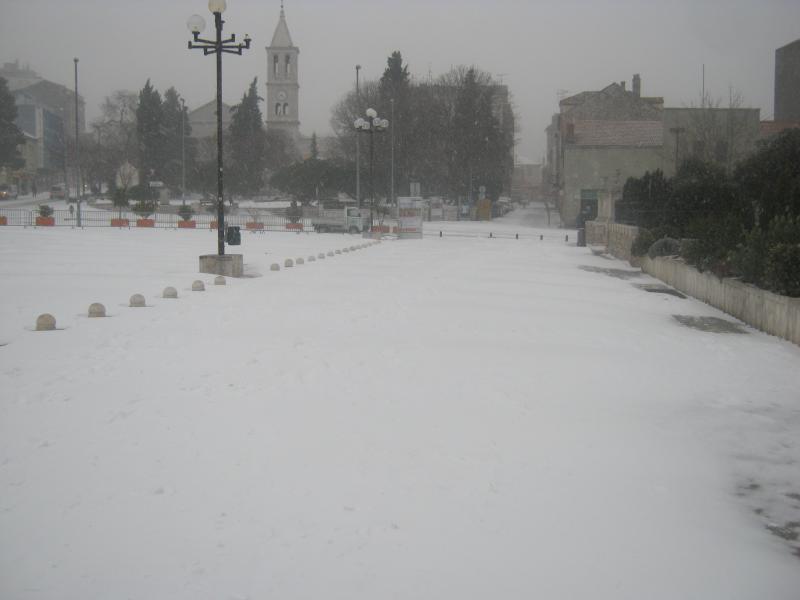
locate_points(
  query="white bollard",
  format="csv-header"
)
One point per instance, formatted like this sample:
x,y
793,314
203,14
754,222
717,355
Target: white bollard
x,y
275,267
220,280
300,261
198,286
170,293
288,263
97,311
45,322
312,258
137,301
321,256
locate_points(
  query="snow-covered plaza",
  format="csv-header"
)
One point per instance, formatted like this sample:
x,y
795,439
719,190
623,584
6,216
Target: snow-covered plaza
x,y
446,418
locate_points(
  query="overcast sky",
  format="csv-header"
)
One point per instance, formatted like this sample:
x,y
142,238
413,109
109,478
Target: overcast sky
x,y
537,47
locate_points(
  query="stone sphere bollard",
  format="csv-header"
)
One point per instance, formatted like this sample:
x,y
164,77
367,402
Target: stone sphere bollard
x,y
330,253
275,267
170,292
220,280
198,286
137,301
321,256
288,263
312,258
300,261
97,311
345,249
338,252
45,322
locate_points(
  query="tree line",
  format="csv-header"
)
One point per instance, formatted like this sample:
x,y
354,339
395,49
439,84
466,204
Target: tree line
x,y
452,134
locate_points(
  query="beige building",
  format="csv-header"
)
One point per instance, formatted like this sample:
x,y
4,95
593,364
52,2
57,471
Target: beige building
x,y
203,120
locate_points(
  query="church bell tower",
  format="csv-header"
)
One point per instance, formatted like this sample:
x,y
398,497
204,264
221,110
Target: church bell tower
x,y
283,89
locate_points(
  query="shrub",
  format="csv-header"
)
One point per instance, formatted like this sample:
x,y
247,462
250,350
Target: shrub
x,y
294,212
185,211
45,211
144,208
664,247
783,269
642,243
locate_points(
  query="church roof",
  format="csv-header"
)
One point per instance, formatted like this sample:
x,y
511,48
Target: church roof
x,y
282,38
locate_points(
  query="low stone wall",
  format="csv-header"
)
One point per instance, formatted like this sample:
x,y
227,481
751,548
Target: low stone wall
x,y
764,310
620,240
596,233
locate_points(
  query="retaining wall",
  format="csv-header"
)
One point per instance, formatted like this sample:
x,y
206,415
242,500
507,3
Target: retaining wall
x,y
772,313
620,240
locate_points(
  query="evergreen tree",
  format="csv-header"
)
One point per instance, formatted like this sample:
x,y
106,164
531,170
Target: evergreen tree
x,y
248,158
314,147
10,135
173,115
150,133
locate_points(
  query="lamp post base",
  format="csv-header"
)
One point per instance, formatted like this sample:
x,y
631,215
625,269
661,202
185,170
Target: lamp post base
x,y
229,265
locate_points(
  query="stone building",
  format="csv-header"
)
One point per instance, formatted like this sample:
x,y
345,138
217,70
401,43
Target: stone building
x,y
203,120
723,136
787,83
283,87
596,141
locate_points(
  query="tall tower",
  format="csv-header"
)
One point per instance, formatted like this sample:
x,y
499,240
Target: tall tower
x,y
283,89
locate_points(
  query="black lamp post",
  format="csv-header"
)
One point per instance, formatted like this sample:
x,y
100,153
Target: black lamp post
x,y
371,125
196,25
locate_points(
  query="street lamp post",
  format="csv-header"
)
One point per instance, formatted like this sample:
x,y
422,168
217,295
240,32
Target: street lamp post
x,y
183,152
219,46
358,142
78,182
371,125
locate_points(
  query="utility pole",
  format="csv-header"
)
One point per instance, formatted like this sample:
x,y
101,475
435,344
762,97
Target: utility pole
x,y
393,197
183,151
78,182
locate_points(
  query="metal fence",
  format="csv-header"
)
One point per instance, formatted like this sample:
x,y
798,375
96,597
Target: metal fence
x,y
102,218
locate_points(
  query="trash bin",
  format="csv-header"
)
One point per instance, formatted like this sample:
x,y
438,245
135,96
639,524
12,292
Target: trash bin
x,y
581,238
233,235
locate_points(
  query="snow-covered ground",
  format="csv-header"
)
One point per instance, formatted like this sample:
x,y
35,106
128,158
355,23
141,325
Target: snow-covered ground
x,y
460,417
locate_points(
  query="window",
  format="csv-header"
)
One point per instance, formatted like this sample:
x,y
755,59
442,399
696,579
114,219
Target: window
x,y
288,65
278,109
275,62
285,109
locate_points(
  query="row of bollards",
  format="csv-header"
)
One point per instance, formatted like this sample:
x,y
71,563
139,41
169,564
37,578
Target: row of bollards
x,y
47,322
290,263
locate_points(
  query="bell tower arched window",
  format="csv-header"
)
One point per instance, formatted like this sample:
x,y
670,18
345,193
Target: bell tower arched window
x,y
285,109
275,65
288,65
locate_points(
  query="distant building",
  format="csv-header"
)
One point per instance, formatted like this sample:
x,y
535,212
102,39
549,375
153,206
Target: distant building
x,y
723,136
787,83
283,87
203,120
17,76
596,142
526,182
46,116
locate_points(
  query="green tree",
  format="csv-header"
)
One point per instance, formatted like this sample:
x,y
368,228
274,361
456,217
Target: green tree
x,y
316,179
174,117
10,135
314,147
248,159
150,133
769,180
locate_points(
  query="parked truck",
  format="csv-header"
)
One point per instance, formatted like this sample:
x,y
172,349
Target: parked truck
x,y
347,219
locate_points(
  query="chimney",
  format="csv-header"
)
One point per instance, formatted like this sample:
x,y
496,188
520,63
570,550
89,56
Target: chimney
x,y
623,85
637,86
